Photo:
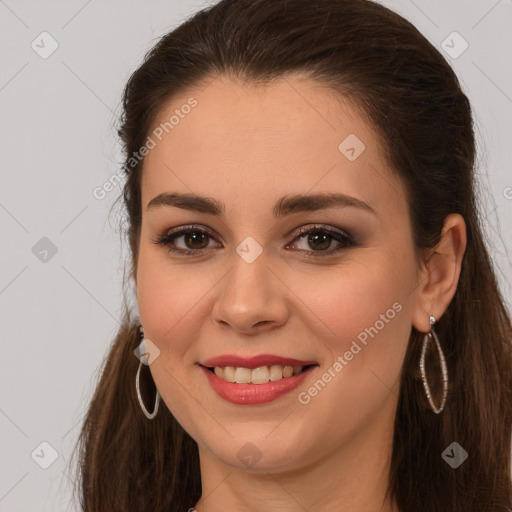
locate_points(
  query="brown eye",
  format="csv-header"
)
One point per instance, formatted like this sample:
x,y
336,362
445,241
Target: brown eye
x,y
195,239
319,240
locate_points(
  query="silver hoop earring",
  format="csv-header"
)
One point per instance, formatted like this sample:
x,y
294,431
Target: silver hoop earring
x,y
429,336
157,399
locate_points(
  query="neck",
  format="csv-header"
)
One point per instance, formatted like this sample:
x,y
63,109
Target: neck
x,y
352,478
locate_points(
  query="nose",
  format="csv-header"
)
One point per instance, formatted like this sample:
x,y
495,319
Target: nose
x,y
251,298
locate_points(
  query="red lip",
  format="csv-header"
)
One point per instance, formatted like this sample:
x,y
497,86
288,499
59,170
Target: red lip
x,y
253,362
255,394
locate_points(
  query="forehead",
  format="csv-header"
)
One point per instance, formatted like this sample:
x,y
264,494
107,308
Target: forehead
x,y
243,142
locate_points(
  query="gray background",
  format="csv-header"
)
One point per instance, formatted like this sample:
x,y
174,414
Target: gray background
x,y
58,142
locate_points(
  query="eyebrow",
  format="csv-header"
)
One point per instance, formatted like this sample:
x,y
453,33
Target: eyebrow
x,y
284,206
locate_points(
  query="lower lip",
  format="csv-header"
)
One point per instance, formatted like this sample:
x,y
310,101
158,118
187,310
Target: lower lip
x,y
252,394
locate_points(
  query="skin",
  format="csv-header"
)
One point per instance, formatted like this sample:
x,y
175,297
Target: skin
x,y
248,146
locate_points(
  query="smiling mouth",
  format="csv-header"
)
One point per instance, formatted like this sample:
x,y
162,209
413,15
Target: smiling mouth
x,y
260,375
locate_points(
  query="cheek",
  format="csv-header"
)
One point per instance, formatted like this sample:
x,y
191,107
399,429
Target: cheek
x,y
365,321
364,314
168,296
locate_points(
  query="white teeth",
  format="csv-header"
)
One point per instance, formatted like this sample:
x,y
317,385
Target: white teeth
x,y
276,372
243,375
229,373
287,371
260,375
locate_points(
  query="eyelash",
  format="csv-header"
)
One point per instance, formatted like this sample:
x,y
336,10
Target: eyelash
x,y
343,238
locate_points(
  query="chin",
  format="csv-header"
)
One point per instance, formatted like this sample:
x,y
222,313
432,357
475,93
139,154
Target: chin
x,y
260,455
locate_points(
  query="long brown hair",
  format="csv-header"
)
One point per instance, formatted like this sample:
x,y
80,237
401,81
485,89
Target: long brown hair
x,y
412,97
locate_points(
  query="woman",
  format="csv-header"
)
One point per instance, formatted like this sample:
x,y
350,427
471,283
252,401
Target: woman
x,y
317,308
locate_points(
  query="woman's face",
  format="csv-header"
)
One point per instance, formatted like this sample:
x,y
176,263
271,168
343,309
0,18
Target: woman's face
x,y
341,297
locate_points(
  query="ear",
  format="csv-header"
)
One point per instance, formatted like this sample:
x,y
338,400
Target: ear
x,y
439,276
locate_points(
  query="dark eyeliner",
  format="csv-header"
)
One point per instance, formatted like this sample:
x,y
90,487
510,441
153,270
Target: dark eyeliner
x,y
167,238
345,240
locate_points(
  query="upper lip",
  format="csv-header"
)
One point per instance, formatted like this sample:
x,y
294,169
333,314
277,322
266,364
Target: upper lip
x,y
254,361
